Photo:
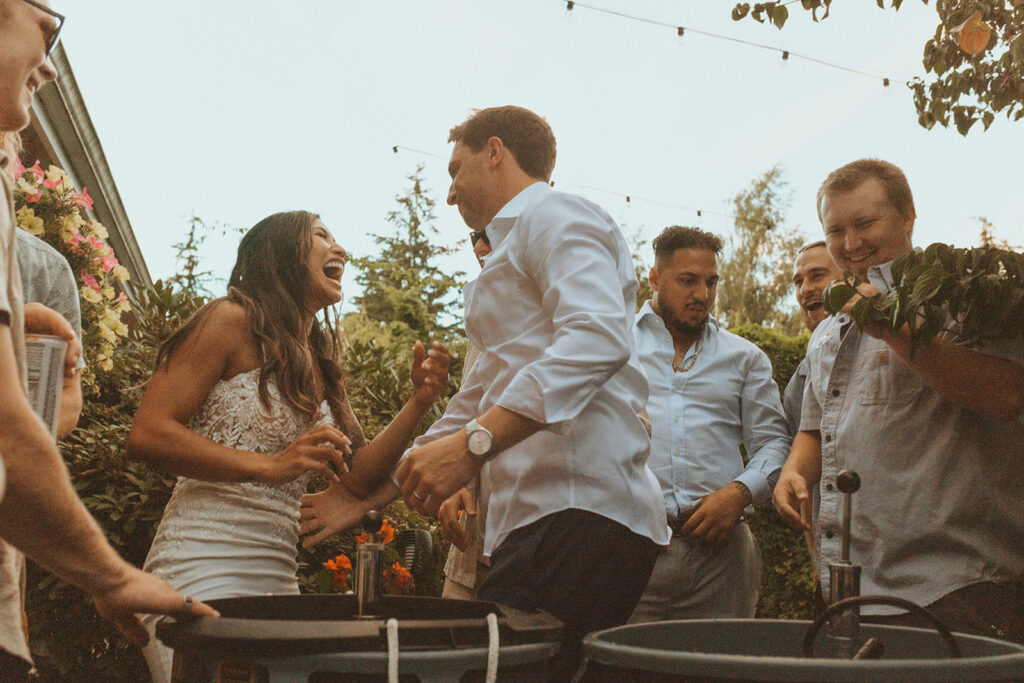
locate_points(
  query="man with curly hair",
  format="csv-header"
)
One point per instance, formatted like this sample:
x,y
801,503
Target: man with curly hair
x,y
711,391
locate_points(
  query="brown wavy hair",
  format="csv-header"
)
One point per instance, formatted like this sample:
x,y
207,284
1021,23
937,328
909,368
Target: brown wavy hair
x,y
524,133
270,281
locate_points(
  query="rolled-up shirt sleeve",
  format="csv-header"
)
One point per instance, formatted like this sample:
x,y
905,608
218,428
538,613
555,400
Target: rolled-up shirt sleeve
x,y
573,257
810,411
765,433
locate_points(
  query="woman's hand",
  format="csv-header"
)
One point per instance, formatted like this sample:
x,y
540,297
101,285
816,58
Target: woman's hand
x,y
314,451
323,514
429,373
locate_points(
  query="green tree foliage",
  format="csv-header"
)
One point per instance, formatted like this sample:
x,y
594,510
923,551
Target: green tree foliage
x,y
757,266
190,278
987,236
968,83
640,249
403,285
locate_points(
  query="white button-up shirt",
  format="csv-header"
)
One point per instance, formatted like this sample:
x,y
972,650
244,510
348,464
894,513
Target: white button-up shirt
x,y
941,502
700,417
552,312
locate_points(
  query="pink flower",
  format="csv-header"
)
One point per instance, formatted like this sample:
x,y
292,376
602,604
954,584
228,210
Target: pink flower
x,y
108,260
83,200
90,281
74,239
38,170
52,184
19,168
33,198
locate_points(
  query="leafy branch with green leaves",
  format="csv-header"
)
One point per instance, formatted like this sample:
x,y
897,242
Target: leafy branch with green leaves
x,y
975,60
975,294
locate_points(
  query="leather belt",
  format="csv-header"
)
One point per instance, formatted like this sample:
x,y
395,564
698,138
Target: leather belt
x,y
676,525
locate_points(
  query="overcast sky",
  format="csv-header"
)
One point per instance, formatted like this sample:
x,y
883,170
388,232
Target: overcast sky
x,y
232,110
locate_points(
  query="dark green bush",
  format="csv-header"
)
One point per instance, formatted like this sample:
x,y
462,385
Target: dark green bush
x,y
787,583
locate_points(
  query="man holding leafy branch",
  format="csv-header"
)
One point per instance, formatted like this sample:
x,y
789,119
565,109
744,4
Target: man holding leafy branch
x,y
935,432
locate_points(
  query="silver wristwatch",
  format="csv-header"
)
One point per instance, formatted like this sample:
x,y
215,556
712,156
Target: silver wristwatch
x,y
479,440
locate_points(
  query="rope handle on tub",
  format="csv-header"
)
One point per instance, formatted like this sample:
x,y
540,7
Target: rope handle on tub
x,y
493,648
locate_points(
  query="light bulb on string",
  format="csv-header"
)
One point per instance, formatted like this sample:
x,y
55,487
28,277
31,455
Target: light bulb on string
x,y
567,14
785,60
680,31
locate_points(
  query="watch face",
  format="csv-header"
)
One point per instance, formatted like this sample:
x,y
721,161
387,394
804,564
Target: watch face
x,y
479,442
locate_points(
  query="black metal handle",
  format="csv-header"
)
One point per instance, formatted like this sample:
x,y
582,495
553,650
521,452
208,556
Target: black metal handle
x,y
371,522
847,481
839,605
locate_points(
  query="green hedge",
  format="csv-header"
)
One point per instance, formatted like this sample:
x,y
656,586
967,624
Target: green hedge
x,y
787,583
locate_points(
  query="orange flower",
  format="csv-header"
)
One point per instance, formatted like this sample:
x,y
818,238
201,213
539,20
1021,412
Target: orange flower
x,y
385,535
399,579
339,567
338,563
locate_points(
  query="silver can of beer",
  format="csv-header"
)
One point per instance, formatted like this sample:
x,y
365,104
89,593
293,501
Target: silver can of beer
x,y
44,361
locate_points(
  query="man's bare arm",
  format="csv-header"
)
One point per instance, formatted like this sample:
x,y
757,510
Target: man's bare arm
x,y
984,384
41,515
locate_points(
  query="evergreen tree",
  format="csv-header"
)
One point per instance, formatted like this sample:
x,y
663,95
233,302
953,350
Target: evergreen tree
x,y
403,284
756,268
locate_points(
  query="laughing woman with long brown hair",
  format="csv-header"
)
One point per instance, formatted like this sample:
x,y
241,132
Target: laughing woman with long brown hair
x,y
246,401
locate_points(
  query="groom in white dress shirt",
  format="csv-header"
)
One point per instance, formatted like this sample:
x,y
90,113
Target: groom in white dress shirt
x,y
550,408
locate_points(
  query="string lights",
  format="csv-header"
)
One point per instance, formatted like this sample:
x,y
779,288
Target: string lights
x,y
628,197
680,30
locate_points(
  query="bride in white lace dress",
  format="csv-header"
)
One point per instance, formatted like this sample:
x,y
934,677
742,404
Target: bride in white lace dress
x,y
246,401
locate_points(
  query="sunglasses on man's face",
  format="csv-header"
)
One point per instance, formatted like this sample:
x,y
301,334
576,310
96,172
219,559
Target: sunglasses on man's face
x,y
478,235
51,39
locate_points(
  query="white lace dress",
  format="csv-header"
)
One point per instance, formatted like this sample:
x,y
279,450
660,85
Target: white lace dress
x,y
220,540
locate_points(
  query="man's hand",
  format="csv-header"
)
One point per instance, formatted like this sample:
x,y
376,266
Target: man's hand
x,y
142,593
866,290
323,514
792,501
716,514
429,372
431,473
448,516
42,320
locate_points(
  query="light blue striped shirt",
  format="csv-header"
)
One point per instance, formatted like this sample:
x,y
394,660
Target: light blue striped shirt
x,y
700,417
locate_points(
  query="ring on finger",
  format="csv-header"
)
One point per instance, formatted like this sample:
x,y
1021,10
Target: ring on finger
x,y
186,606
